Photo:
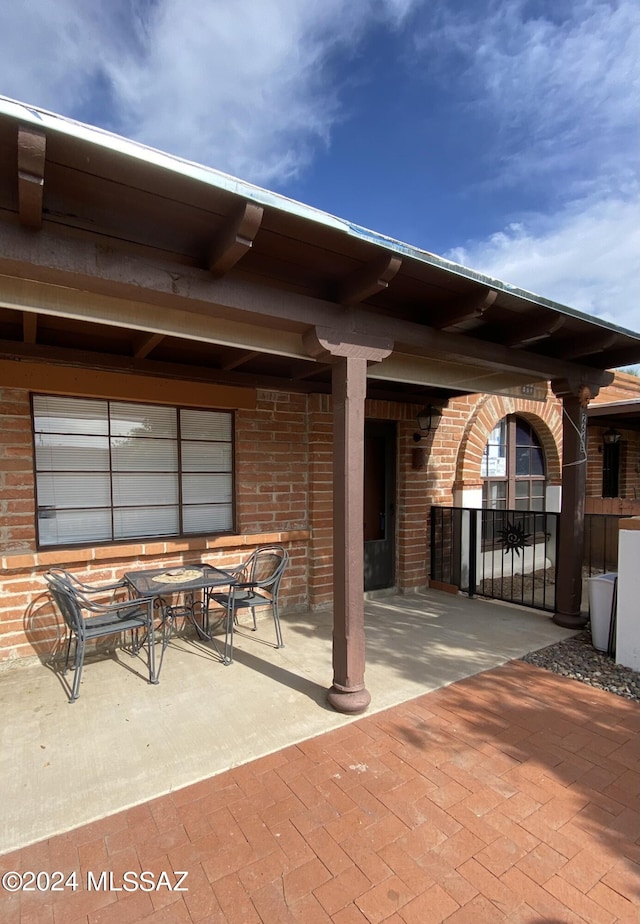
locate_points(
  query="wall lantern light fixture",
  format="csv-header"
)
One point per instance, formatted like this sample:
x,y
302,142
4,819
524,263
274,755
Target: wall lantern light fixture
x,y
610,437
428,419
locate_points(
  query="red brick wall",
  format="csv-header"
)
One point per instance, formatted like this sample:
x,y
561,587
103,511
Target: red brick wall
x,y
272,506
284,493
625,387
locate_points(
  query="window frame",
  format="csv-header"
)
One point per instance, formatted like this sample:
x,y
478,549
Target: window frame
x,y
611,469
511,479
178,474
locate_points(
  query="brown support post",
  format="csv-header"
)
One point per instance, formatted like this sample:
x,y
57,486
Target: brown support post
x,y
349,358
349,386
570,551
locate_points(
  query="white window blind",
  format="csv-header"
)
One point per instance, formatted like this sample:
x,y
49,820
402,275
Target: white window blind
x,y
109,470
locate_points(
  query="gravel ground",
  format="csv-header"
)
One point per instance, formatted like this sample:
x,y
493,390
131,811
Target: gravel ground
x,y
576,657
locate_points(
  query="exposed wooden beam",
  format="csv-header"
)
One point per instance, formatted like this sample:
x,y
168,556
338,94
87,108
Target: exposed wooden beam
x,y
465,309
324,342
85,359
31,153
235,238
317,369
146,345
533,331
587,345
114,277
29,327
368,279
245,357
625,356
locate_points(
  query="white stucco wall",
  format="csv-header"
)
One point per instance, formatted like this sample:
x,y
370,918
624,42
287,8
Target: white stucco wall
x,y
628,619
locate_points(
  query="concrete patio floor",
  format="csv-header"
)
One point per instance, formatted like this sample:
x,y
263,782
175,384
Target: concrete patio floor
x,y
125,742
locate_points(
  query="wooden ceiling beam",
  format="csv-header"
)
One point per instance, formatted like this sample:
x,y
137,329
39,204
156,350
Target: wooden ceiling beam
x,y
115,279
29,327
469,308
532,332
317,369
368,280
587,346
31,155
245,357
146,344
235,238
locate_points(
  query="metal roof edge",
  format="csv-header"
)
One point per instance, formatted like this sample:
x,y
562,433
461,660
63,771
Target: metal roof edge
x,y
213,177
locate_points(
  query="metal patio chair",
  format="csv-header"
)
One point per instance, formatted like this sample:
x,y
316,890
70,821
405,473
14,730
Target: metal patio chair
x,y
101,620
258,584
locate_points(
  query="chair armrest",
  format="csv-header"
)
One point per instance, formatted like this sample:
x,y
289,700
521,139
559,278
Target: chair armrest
x,y
93,589
104,609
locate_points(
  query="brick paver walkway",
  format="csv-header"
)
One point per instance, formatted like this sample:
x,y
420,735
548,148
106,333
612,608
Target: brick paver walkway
x,y
509,796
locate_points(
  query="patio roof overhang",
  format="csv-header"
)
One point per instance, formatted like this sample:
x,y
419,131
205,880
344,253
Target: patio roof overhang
x,y
625,414
113,255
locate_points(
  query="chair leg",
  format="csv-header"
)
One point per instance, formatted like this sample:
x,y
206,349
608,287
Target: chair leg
x,y
79,662
151,643
66,662
228,635
276,620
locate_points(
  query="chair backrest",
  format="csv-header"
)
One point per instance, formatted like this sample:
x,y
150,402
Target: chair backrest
x,y
265,567
66,600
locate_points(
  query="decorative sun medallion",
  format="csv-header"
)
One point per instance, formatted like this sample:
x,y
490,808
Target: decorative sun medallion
x,y
514,538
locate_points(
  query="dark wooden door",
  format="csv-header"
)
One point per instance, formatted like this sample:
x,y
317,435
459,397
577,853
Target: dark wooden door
x,y
379,504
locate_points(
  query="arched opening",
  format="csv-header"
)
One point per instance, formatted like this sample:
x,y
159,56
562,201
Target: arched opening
x,y
513,468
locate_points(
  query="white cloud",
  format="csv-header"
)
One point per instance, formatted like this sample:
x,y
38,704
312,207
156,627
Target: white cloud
x,y
555,86
243,86
556,83
585,257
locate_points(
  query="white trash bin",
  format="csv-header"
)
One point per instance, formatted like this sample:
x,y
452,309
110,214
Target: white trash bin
x,y
601,602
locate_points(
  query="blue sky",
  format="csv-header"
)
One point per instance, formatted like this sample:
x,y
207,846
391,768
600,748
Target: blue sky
x,y
502,134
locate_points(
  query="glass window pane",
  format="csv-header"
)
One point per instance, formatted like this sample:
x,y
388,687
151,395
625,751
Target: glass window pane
x,y
144,489
522,489
93,455
56,452
129,522
537,503
494,457
522,503
523,432
205,425
144,455
143,420
207,518
537,488
523,462
62,489
206,457
200,489
75,527
52,414
497,494
537,461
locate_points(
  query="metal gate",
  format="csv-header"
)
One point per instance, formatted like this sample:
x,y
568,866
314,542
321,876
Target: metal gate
x,y
503,554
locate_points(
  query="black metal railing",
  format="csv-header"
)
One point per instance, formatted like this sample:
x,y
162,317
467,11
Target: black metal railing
x,y
601,542
511,554
502,554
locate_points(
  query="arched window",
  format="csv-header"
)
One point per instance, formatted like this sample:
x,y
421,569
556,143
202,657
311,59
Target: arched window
x,y
513,467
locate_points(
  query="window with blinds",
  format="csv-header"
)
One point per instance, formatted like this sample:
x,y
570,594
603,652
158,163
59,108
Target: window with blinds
x,y
112,470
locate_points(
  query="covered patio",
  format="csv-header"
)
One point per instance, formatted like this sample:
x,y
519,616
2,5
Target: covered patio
x,y
125,742
130,277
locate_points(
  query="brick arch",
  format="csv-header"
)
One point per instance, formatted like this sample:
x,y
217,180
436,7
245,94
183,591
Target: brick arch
x,y
545,418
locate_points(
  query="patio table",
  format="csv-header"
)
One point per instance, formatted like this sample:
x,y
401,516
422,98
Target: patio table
x,y
186,581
